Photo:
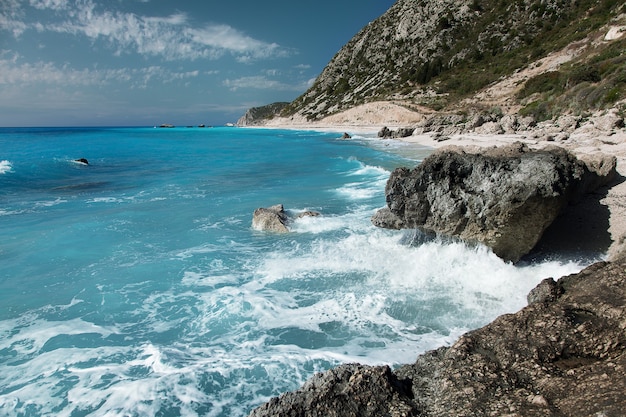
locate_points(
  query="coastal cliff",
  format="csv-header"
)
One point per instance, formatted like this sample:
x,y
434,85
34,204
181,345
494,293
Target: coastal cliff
x,y
562,355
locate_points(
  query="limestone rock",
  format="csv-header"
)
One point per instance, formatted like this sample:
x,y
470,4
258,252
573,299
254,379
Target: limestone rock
x,y
563,356
504,198
272,219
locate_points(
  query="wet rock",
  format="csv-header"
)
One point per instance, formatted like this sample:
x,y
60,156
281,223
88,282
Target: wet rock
x,y
504,197
273,219
563,355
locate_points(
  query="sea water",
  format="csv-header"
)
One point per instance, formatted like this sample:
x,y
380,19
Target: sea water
x,y
136,286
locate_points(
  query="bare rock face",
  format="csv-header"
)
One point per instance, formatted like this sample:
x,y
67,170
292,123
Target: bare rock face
x,y
272,219
348,390
563,355
503,197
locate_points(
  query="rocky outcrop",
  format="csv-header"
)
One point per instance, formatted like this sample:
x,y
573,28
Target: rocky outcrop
x,y
562,355
273,219
444,125
504,197
258,115
276,219
403,132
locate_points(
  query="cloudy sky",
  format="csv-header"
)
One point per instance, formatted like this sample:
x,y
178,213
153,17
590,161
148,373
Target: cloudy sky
x,y
146,62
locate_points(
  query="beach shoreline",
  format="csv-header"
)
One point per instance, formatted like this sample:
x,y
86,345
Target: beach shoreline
x,y
584,142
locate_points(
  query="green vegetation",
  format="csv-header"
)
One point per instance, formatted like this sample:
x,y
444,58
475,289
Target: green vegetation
x,y
465,52
592,82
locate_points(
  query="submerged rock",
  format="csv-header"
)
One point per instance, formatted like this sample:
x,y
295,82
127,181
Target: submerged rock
x,y
503,197
563,355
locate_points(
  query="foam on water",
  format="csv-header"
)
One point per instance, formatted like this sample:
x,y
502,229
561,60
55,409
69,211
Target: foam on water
x,y
5,166
150,294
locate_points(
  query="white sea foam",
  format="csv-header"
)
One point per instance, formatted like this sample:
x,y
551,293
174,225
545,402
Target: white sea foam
x,y
50,203
5,167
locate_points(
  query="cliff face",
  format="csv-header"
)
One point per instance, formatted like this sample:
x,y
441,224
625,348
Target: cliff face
x,y
257,114
563,355
434,52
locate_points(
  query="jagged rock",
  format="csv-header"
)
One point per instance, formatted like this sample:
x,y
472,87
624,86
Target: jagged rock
x,y
568,123
509,123
272,219
504,198
402,132
490,128
387,219
384,133
308,213
563,355
547,291
608,122
348,390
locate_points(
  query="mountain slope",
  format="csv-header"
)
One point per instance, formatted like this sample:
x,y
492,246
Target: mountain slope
x,y
437,52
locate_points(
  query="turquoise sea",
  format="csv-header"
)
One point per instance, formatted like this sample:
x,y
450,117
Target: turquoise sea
x,y
136,286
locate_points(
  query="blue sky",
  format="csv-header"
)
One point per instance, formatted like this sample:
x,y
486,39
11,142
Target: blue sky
x,y
146,62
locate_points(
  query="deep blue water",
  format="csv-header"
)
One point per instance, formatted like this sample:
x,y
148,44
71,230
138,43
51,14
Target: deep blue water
x,y
136,286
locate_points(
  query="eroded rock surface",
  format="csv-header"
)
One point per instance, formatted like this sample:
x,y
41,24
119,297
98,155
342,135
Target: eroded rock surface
x,y
502,197
273,219
563,355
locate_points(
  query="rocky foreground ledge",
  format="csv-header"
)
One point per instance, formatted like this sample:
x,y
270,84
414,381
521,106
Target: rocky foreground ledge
x,y
562,355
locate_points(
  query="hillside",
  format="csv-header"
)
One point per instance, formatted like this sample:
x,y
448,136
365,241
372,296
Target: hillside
x,y
553,56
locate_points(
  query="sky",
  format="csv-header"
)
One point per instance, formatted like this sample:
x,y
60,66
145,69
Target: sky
x,y
147,62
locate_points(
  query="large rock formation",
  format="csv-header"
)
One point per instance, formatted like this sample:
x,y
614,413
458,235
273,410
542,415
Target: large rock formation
x,y
563,355
504,197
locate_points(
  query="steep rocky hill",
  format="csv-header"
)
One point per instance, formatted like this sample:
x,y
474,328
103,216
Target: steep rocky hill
x,y
443,54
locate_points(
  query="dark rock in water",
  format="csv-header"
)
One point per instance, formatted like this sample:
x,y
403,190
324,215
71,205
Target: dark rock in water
x,y
563,356
403,132
384,133
308,213
272,219
346,136
82,161
504,197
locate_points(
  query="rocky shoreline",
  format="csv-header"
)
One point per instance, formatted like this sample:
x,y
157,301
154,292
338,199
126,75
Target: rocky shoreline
x,y
564,354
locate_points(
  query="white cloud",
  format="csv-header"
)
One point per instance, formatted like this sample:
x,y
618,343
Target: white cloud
x,y
170,37
14,72
261,83
49,4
